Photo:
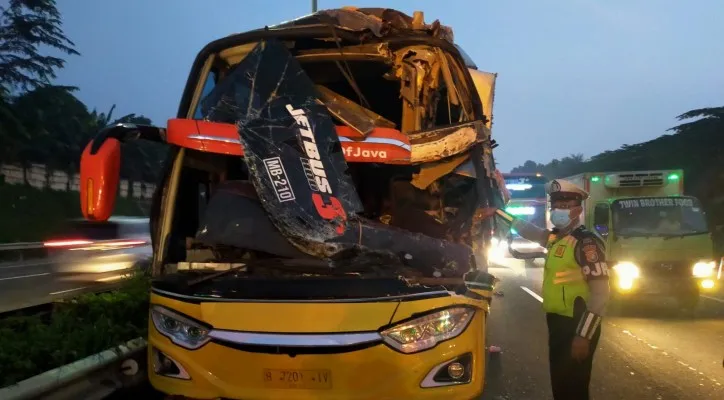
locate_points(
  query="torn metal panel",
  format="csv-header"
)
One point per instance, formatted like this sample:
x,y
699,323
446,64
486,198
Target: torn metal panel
x,y
436,144
464,92
379,22
292,152
485,86
360,119
428,255
452,92
379,52
468,169
418,69
431,172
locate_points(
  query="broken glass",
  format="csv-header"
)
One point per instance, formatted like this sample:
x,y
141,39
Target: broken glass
x,y
296,164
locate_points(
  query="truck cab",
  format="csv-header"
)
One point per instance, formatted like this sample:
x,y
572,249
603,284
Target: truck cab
x,y
657,239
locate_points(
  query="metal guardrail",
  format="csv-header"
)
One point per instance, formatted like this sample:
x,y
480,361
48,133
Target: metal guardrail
x,y
22,251
94,377
21,246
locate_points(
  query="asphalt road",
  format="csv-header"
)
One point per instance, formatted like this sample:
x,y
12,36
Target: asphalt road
x,y
35,282
650,352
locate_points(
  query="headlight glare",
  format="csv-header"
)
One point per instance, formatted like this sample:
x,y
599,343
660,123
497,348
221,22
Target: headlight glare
x,y
427,331
704,269
181,330
627,270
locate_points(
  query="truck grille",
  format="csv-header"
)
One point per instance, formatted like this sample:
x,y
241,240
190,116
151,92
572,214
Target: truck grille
x,y
666,269
641,179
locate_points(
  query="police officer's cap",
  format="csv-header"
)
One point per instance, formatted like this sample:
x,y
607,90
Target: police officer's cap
x,y
561,189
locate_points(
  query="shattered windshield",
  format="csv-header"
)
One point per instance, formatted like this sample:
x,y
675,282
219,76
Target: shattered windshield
x,y
290,143
658,216
298,171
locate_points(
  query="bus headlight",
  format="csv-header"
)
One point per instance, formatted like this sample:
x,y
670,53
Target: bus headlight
x,y
180,329
704,269
427,331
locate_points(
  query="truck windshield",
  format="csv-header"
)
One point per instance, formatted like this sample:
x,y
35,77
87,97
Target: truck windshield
x,y
526,187
658,216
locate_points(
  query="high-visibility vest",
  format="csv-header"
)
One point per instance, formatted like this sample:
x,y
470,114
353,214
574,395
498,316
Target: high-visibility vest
x,y
563,279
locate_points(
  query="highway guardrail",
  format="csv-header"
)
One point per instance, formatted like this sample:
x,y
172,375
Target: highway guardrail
x,y
22,251
94,377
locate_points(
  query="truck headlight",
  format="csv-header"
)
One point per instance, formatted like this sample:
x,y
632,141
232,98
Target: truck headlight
x,y
180,329
627,270
427,331
704,269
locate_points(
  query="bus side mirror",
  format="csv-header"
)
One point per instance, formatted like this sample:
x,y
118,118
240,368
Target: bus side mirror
x,y
100,166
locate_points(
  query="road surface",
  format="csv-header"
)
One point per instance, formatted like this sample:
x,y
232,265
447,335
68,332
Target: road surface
x,y
35,282
651,352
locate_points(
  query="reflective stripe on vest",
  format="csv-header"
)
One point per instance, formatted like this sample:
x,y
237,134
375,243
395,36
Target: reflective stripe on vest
x,y
563,279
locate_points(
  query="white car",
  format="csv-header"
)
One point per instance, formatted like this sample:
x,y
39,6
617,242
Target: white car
x,y
121,243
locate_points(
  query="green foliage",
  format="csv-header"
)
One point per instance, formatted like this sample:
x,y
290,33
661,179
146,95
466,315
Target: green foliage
x,y
22,205
46,124
25,26
80,328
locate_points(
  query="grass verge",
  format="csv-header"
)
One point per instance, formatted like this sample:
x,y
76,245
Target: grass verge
x,y
86,325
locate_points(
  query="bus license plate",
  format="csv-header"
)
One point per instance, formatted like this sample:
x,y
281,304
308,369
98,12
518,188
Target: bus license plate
x,y
298,378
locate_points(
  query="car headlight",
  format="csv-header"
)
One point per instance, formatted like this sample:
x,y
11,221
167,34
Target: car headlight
x,y
704,269
181,330
626,270
427,331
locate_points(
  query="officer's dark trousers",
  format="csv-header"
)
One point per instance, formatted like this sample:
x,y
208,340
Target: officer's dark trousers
x,y
569,378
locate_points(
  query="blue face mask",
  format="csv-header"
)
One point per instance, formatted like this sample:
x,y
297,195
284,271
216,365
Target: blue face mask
x,y
560,218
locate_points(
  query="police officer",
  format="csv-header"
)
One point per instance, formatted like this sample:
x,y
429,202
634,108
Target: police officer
x,y
575,288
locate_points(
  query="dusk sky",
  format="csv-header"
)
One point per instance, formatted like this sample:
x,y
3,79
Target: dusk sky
x,y
575,76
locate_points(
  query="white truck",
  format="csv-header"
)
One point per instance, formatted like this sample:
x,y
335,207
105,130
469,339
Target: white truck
x,y
657,239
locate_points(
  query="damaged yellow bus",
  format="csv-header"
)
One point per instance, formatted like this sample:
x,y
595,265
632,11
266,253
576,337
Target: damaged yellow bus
x,y
315,231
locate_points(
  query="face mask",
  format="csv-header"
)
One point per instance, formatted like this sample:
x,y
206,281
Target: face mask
x,y
560,218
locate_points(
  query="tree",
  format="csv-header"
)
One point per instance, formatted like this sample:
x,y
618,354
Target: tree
x,y
529,167
26,25
57,123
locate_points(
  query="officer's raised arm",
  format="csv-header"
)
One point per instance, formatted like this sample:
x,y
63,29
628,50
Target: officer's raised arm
x,y
590,254
525,229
